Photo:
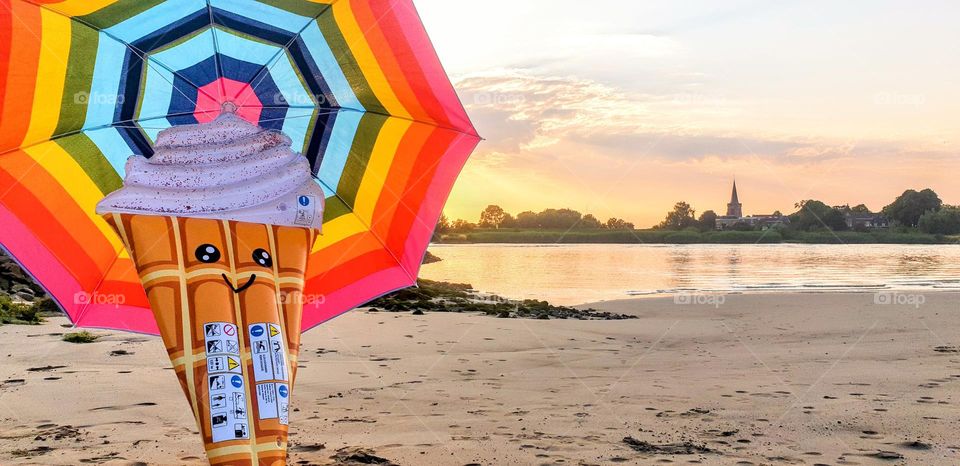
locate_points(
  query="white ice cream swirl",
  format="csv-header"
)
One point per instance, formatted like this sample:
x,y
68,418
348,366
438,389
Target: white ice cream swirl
x,y
227,169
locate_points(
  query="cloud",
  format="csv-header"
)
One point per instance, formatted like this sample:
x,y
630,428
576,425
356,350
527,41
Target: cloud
x,y
533,117
574,142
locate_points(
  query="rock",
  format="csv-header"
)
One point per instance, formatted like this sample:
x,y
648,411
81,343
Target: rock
x,y
429,258
685,448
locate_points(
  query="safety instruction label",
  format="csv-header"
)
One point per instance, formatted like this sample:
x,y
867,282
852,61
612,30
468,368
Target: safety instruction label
x,y
267,348
228,404
221,338
306,210
273,401
223,364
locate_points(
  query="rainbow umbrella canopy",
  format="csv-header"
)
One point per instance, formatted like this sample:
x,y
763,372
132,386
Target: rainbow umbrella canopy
x,y
356,84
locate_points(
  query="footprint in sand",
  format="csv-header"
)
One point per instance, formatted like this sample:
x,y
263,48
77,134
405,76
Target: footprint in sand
x,y
12,383
120,408
44,368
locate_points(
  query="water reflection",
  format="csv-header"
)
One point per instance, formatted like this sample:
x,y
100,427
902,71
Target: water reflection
x,y
572,274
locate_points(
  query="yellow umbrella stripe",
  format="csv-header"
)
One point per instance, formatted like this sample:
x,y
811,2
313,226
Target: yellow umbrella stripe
x,y
51,76
367,61
71,176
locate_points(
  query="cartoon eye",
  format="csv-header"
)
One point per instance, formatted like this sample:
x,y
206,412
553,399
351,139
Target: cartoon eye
x,y
207,253
262,257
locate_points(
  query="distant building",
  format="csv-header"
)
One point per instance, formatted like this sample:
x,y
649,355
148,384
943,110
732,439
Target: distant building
x,y
867,220
735,216
734,211
735,208
768,221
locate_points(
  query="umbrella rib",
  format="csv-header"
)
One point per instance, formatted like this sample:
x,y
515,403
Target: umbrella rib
x,y
94,290
216,51
283,48
370,229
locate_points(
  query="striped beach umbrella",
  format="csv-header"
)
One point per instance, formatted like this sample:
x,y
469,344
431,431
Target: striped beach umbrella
x,y
356,84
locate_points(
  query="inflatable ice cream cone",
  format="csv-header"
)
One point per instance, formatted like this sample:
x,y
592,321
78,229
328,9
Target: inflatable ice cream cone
x,y
220,223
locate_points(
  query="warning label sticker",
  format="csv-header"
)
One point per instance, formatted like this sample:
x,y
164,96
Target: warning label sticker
x,y
273,401
221,338
223,364
283,403
267,400
306,210
276,350
228,408
268,352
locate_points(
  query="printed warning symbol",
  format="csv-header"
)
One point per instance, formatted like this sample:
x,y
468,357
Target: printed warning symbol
x,y
218,401
216,364
283,404
219,420
279,360
223,364
260,346
217,382
240,431
274,331
221,338
239,406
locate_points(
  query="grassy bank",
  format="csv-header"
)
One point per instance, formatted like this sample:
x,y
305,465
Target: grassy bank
x,y
518,236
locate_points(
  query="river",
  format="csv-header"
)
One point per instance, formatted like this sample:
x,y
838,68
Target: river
x,y
574,274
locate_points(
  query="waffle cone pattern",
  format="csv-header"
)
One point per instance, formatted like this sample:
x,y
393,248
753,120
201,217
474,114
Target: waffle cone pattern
x,y
228,299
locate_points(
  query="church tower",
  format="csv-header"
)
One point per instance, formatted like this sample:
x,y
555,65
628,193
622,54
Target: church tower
x,y
735,208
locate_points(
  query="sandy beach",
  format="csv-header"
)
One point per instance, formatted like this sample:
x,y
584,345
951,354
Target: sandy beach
x,y
760,379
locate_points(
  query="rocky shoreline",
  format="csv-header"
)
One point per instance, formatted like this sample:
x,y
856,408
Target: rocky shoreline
x,y
432,296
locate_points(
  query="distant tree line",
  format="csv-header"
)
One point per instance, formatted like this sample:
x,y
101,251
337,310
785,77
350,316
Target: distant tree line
x,y
494,217
913,210
922,211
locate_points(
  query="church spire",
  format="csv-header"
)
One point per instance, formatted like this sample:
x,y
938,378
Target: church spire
x,y
735,208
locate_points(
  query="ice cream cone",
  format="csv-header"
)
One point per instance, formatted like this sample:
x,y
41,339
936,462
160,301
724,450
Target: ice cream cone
x,y
227,297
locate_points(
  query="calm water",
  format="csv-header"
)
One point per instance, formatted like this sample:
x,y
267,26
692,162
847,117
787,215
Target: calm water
x,y
574,274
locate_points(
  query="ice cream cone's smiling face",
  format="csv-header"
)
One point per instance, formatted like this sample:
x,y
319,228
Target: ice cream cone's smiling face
x,y
210,254
241,257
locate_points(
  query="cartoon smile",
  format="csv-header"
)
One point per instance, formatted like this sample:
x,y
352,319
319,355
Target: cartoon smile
x,y
236,290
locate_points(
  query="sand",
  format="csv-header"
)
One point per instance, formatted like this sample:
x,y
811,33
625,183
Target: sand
x,y
761,379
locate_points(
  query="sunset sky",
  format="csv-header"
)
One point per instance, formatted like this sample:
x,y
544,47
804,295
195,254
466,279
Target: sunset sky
x,y
621,108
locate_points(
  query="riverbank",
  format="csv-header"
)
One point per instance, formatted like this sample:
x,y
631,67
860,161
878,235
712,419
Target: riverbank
x,y
765,379
518,236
